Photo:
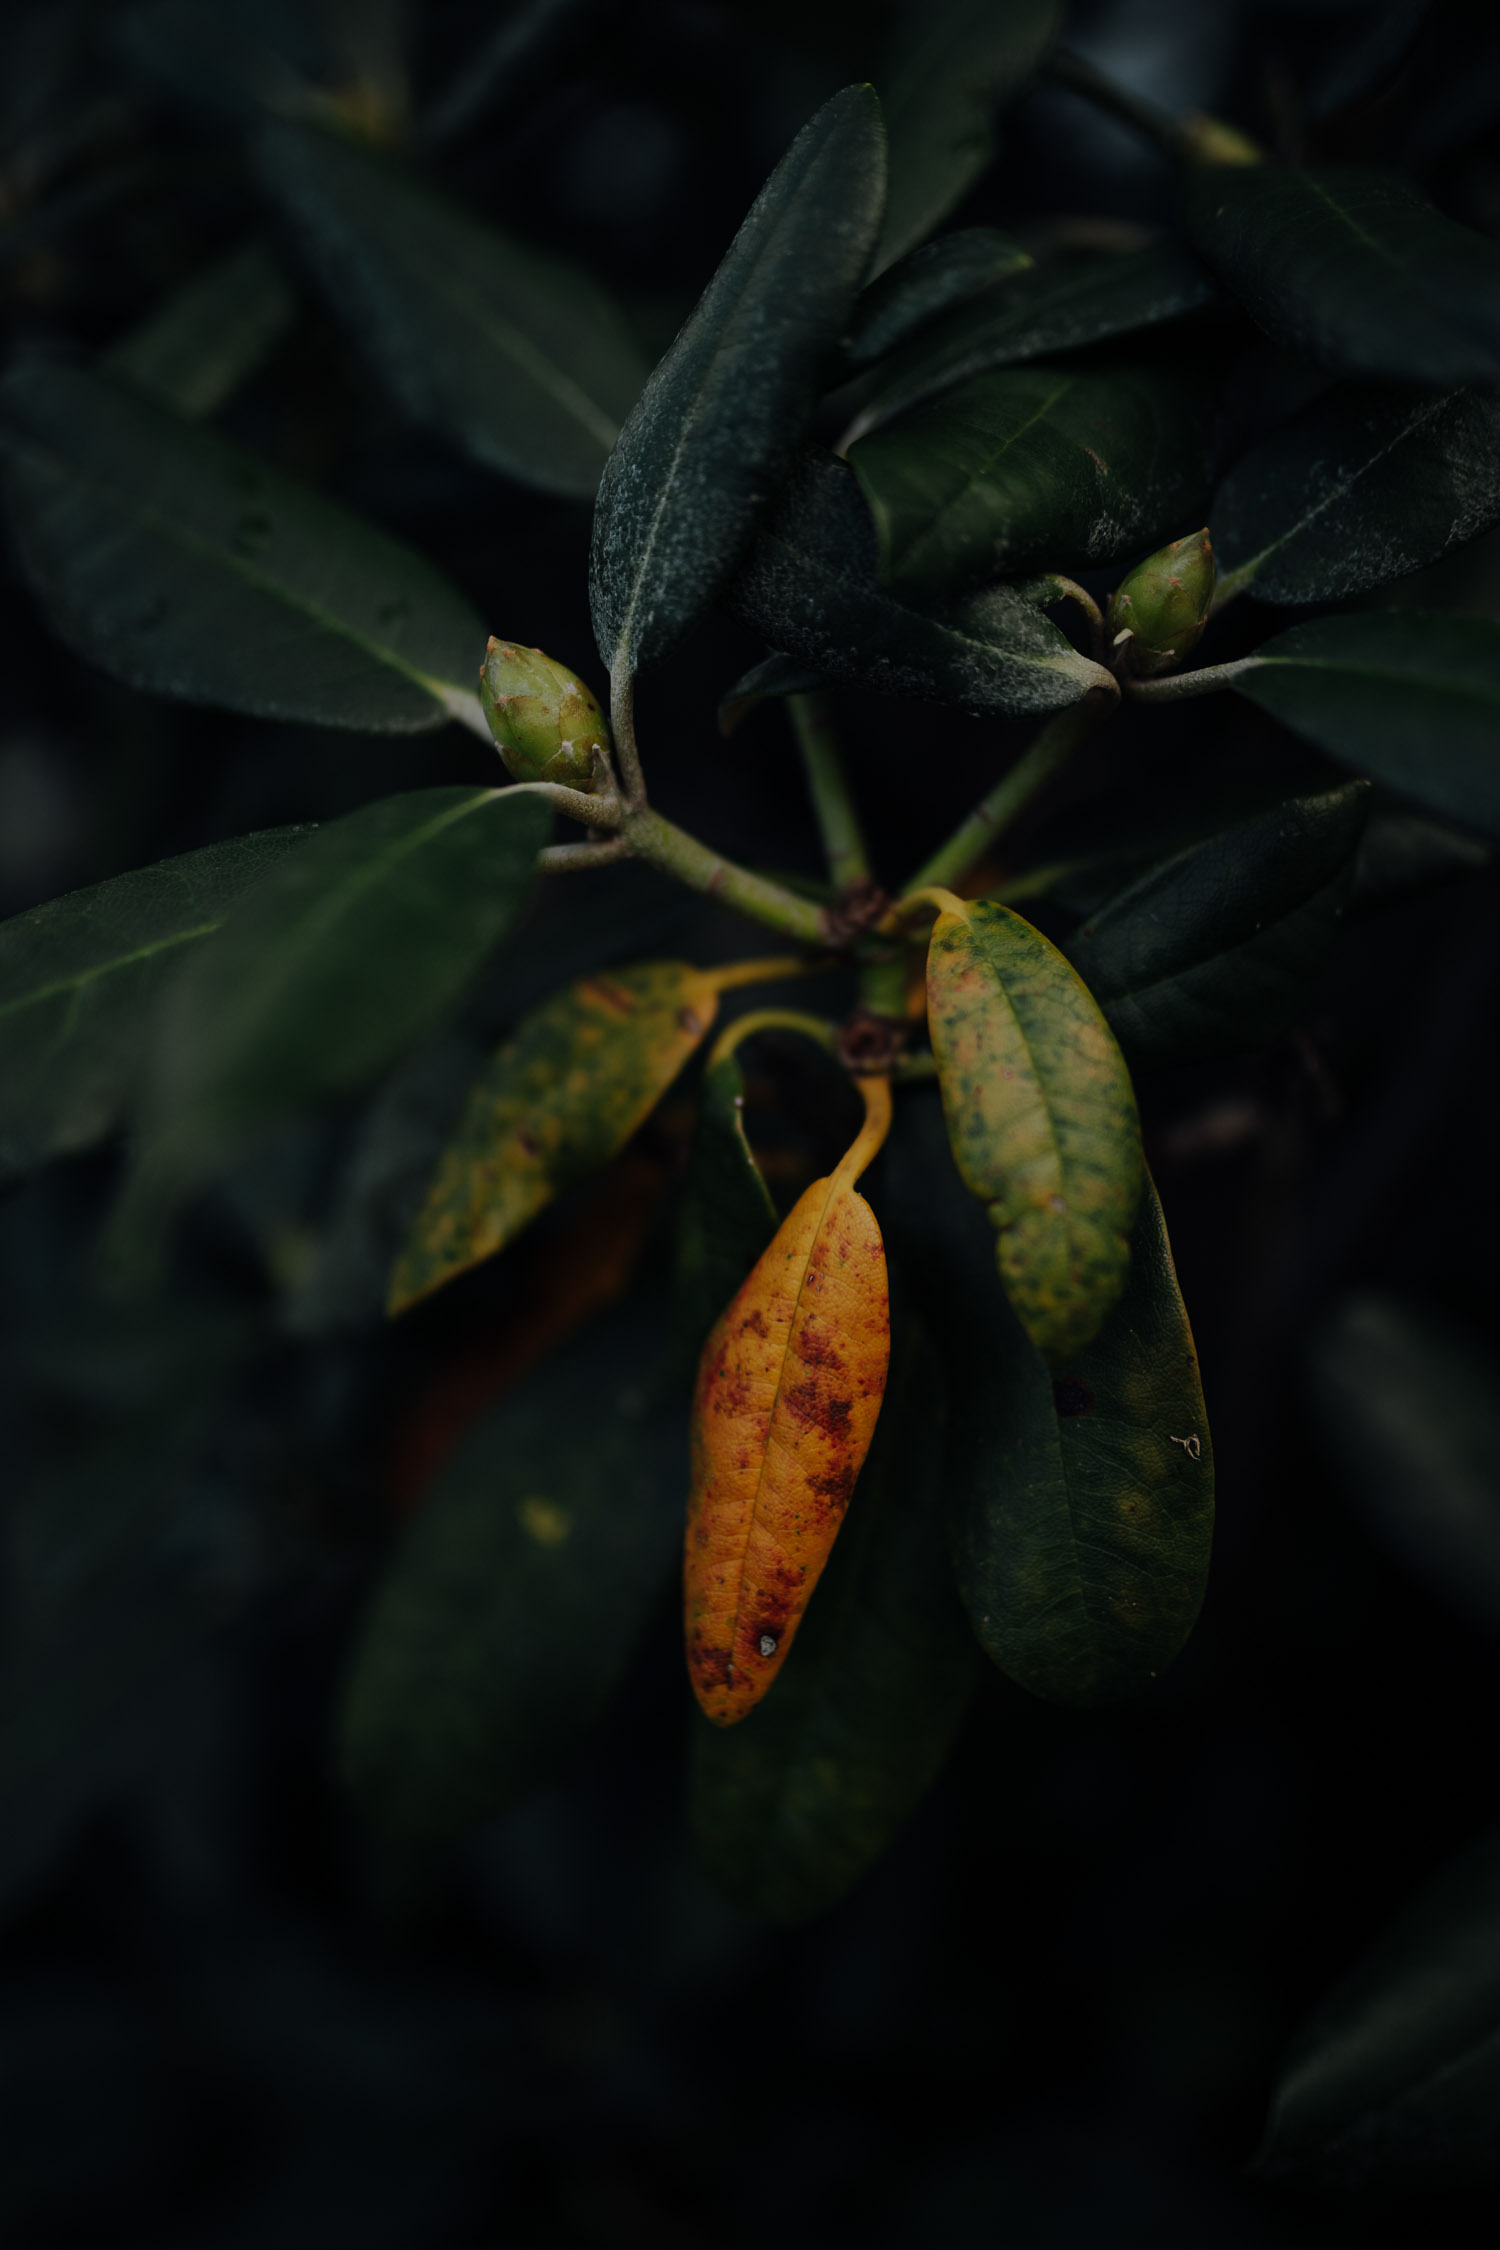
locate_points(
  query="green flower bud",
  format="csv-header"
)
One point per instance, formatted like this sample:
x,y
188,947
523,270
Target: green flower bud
x,y
546,722
1163,605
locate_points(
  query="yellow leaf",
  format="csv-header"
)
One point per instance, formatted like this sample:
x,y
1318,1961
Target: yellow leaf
x,y
789,1392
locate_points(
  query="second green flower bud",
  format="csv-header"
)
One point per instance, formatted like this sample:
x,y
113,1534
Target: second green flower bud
x,y
1164,604
544,719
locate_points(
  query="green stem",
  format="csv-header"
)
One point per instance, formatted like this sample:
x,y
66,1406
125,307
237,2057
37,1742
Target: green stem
x,y
1013,792
828,786
622,727
663,845
882,982
1177,687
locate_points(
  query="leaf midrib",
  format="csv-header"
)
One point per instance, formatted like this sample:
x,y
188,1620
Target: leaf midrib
x,y
68,467
73,984
936,523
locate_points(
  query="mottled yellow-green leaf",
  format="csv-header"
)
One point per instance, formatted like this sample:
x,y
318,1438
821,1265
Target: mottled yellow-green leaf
x,y
567,1090
1041,1115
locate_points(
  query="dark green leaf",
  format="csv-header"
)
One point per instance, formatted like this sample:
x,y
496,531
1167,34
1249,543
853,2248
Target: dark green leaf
x,y
344,955
1409,697
1215,951
210,336
1364,486
1059,467
1410,1412
230,58
928,281
1403,855
513,1602
1056,307
720,420
810,588
181,564
517,357
1353,267
951,64
727,1216
1082,1494
1394,2081
791,1806
78,979
773,676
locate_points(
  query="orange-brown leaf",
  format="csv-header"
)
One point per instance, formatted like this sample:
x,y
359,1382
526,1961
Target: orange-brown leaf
x,y
789,1391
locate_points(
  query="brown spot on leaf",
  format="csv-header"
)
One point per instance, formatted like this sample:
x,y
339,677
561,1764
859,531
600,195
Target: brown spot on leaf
x,y
1070,1395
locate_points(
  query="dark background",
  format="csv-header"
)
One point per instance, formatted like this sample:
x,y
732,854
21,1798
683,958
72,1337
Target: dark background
x,y
232,2017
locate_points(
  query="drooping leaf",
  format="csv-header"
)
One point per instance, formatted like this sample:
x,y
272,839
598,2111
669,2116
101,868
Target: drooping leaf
x,y
950,66
1364,486
727,1216
519,358
1055,307
1354,268
340,958
1392,2083
1410,697
78,980
1410,1411
182,564
788,1394
518,1592
1080,1495
925,283
810,588
773,676
1216,950
567,1090
721,417
792,1807
210,336
1041,1116
1057,467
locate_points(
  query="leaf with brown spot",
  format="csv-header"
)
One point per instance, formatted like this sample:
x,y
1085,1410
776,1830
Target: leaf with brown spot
x,y
564,1093
789,1391
1041,1115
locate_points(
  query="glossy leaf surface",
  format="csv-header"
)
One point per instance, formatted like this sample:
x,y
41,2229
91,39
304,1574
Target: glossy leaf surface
x,y
790,1808
1061,467
80,976
518,1592
567,1090
1057,306
181,564
727,1217
788,1394
1081,1495
1216,950
950,65
1409,1408
518,357
1410,697
1353,267
1393,2081
810,588
211,336
928,281
1041,1116
1365,486
721,417
347,952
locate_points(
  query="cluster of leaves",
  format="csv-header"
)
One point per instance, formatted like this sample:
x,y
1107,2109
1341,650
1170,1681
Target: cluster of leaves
x,y
893,453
